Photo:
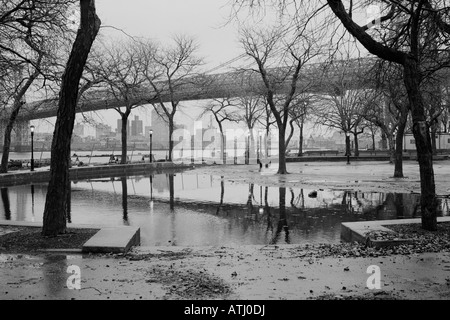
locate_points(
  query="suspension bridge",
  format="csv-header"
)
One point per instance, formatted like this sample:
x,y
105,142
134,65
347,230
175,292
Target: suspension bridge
x,y
313,78
322,78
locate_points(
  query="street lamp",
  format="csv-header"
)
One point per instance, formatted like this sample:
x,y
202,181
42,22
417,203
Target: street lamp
x,y
32,155
347,146
151,136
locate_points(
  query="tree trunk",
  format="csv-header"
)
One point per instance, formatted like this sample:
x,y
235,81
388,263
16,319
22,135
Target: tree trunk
x,y
252,145
7,141
291,132
124,138
428,201
398,170
282,221
373,141
399,205
249,198
171,127
69,202
222,142
281,151
54,221
356,145
300,143
223,146
123,181
6,205
347,146
383,141
391,144
13,116
171,192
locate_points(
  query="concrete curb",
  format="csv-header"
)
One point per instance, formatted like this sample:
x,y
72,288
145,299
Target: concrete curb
x,y
359,231
77,173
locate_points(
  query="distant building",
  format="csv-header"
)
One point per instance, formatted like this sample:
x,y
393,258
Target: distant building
x,y
442,141
102,131
320,142
136,126
160,127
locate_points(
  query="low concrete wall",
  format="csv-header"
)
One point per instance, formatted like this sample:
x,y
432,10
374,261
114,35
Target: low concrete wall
x,y
78,173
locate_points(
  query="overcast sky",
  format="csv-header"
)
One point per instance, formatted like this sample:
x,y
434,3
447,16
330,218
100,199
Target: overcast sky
x,y
162,19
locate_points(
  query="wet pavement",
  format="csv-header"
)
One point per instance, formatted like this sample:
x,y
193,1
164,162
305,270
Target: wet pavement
x,y
246,272
243,272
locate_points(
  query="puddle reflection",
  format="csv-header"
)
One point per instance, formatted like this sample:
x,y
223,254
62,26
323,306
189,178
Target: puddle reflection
x,y
187,209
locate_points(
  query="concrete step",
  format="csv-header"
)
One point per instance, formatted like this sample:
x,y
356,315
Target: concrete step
x,y
359,231
113,240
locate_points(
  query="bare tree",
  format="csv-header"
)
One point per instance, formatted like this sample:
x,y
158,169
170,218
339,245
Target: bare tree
x,y
390,110
412,34
297,115
254,109
17,102
343,106
55,210
30,32
280,85
419,27
220,108
120,68
168,71
436,107
444,117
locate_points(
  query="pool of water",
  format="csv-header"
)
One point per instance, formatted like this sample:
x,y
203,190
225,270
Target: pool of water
x,y
189,209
